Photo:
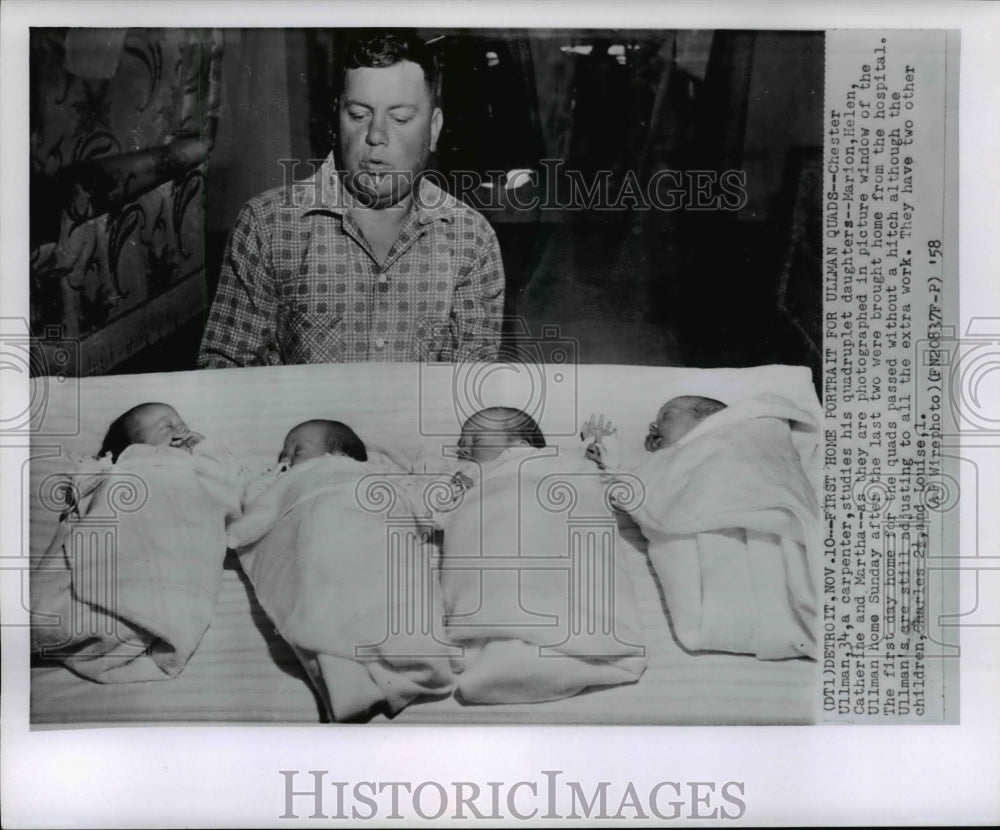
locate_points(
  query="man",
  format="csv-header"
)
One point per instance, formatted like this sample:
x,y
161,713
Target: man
x,y
368,260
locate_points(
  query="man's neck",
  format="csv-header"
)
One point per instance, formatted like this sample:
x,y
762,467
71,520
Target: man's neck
x,y
381,226
389,215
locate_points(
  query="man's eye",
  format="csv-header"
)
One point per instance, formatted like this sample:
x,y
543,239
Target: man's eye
x,y
402,119
357,116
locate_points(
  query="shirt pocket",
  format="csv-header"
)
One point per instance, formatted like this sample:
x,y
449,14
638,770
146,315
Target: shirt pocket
x,y
310,336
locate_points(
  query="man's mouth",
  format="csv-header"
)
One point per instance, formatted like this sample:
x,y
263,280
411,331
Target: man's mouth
x,y
375,167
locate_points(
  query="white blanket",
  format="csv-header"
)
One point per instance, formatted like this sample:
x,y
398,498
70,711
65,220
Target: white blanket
x,y
241,671
731,521
534,585
347,585
126,590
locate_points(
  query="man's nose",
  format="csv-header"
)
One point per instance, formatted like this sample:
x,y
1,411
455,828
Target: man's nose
x,y
377,133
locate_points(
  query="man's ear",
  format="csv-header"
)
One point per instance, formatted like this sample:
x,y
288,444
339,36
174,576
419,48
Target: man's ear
x,y
437,120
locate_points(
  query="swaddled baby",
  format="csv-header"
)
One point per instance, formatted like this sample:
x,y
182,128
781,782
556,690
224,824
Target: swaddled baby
x,y
675,419
441,474
542,604
137,608
154,434
731,521
335,575
306,441
149,425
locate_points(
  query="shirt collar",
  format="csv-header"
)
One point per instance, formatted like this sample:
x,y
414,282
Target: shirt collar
x,y
324,191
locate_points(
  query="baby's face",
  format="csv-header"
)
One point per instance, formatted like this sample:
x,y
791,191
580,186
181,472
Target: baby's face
x,y
482,442
675,419
301,444
159,425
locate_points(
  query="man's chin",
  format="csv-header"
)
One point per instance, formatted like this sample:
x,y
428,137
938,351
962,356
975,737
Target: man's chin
x,y
376,194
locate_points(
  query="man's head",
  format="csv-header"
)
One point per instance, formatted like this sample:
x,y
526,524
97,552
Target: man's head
x,y
677,417
316,438
389,119
157,424
491,431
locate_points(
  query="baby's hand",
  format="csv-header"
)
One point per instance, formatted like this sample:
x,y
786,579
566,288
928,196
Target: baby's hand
x,y
595,427
460,482
595,453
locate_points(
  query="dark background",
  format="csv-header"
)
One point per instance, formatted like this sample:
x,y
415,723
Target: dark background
x,y
682,287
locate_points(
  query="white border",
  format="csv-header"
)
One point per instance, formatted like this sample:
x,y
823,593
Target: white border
x,y
227,776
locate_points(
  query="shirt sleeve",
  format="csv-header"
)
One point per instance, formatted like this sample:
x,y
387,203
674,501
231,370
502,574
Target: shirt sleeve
x,y
241,324
477,307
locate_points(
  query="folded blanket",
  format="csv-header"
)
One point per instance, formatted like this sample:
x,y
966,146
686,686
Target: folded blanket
x,y
534,586
732,524
347,585
127,588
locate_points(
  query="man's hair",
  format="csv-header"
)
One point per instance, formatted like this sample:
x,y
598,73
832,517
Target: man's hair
x,y
387,48
120,434
513,422
338,438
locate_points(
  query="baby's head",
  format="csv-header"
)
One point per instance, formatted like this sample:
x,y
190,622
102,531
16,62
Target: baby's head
x,y
157,424
313,439
677,417
491,431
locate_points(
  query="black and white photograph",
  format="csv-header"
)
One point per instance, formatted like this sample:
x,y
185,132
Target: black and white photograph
x,y
621,360
511,241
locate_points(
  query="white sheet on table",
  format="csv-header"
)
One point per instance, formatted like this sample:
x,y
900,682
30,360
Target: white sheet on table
x,y
233,675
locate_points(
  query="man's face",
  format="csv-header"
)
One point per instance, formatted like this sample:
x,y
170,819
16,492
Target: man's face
x,y
157,424
482,441
388,128
675,419
301,444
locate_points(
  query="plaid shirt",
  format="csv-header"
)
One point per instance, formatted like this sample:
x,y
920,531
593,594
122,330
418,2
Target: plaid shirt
x,y
300,283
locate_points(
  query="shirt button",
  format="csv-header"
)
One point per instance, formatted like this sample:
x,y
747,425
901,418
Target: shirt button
x,y
380,343
382,278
